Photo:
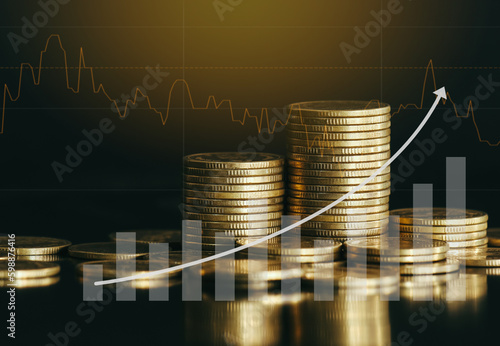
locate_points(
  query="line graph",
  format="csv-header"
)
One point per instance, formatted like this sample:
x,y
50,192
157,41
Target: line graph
x,y
262,120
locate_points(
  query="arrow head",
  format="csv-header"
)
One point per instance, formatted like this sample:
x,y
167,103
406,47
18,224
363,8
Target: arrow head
x,y
441,93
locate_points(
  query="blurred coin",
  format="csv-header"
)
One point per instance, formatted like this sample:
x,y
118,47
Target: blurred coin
x,y
344,234
298,179
29,269
468,243
397,259
443,229
445,237
230,160
240,225
338,188
33,282
344,225
334,196
348,218
494,236
348,203
234,217
105,251
439,216
337,166
157,236
34,245
441,267
234,210
338,108
393,246
234,232
489,258
302,210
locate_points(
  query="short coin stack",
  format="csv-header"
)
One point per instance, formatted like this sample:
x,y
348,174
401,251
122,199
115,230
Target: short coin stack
x,y
233,194
333,146
459,228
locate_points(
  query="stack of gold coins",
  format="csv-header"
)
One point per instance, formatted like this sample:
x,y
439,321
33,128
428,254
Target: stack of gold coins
x,y
333,146
233,194
459,228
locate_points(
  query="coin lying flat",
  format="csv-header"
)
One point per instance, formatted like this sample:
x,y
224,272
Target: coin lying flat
x,y
32,283
318,203
334,108
320,142
105,251
349,218
157,236
266,179
439,216
234,195
308,247
333,196
234,210
299,179
212,232
441,267
315,150
347,121
224,173
339,135
230,160
393,246
494,236
397,259
445,237
339,158
338,128
35,245
468,243
234,217
488,258
234,188
338,188
304,210
336,166
443,229
338,173
335,233
29,270
245,203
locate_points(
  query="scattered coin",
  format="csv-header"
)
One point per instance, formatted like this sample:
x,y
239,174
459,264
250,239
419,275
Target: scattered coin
x,y
25,245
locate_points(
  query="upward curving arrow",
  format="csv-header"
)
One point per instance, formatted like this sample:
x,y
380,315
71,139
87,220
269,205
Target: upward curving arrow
x,y
440,94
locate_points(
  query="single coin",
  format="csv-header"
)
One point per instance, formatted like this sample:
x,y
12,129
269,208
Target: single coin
x,y
488,258
158,236
234,217
439,216
344,225
40,258
393,246
252,232
462,253
24,245
342,136
336,166
234,188
441,267
4,255
349,218
443,229
351,233
234,180
320,142
192,201
29,269
339,158
105,251
338,188
32,283
237,160
335,196
337,151
297,119
348,203
338,128
299,210
237,210
307,247
339,108
340,174
234,195
299,179
445,237
468,243
397,259
494,236
240,225
221,173
368,276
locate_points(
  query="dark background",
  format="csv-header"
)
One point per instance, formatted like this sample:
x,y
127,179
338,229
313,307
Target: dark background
x,y
264,55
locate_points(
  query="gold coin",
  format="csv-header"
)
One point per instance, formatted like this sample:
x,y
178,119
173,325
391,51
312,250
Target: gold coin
x,y
462,253
337,151
297,119
320,142
233,203
338,188
4,255
312,259
235,195
298,179
237,210
29,269
234,180
308,247
32,283
234,217
156,236
351,233
393,246
40,258
234,188
34,245
338,128
344,225
339,211
487,258
252,232
339,158
494,236
399,259
339,108
443,229
342,136
368,276
334,196
105,251
337,166
445,237
441,267
240,225
439,216
237,160
348,218
204,172
468,243
340,174
315,203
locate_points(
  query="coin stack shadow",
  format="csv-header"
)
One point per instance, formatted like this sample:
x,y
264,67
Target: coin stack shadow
x,y
232,194
333,146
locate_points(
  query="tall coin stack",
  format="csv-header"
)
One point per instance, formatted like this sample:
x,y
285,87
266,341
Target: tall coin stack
x,y
332,147
233,194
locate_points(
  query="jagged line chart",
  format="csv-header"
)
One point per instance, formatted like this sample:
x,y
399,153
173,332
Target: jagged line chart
x,y
260,120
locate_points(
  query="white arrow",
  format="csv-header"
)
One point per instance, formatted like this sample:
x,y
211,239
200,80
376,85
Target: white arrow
x,y
441,94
